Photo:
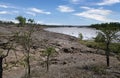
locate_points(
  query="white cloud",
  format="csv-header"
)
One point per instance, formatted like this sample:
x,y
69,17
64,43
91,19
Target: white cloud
x,y
3,6
87,8
63,8
108,2
39,11
7,12
31,13
6,6
75,1
15,12
96,14
4,12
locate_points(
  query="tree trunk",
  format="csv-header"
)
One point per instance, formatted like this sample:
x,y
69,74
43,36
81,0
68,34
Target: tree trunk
x,y
107,54
28,65
1,68
47,63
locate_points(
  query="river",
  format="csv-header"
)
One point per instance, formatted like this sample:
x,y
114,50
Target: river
x,y
88,33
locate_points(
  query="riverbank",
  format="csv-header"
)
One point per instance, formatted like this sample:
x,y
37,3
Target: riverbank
x,y
71,60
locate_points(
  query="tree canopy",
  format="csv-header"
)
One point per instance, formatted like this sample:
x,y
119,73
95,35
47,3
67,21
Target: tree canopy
x,y
21,19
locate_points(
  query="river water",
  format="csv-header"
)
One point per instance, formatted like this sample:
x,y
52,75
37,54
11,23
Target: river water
x,y
88,33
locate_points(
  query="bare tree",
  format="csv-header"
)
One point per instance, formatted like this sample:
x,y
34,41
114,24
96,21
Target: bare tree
x,y
25,40
3,55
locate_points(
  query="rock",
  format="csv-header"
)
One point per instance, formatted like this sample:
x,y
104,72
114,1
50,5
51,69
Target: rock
x,y
35,47
57,49
66,50
3,42
54,61
64,63
72,48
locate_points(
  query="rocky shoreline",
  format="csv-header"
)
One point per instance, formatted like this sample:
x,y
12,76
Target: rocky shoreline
x,y
71,57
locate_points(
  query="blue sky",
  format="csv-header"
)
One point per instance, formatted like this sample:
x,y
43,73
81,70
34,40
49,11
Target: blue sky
x,y
62,12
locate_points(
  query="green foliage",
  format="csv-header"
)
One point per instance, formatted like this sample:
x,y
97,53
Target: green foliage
x,y
31,21
109,33
114,47
25,40
22,20
100,37
6,22
104,25
93,44
48,52
80,36
97,69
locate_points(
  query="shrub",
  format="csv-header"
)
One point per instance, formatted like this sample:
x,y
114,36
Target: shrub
x,y
97,69
80,36
100,38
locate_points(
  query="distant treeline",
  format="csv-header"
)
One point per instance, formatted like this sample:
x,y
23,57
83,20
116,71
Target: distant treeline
x,y
12,23
106,25
6,22
44,25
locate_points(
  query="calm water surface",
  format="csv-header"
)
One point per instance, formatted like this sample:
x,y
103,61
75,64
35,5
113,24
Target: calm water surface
x,y
88,33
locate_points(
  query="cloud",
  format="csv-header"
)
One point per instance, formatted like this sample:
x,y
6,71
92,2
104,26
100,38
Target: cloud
x,y
6,6
4,12
16,12
95,14
3,6
84,7
31,13
7,12
108,2
75,1
63,8
35,10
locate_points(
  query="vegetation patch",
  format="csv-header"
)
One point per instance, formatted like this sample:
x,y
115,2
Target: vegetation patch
x,y
114,47
97,69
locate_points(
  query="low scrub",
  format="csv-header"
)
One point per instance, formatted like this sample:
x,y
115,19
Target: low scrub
x,y
114,47
97,69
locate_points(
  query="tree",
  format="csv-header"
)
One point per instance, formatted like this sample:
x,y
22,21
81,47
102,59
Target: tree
x,y
25,40
109,33
31,21
48,52
100,37
22,20
80,36
8,46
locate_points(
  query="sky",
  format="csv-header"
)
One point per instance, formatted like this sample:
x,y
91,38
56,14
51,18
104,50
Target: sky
x,y
62,12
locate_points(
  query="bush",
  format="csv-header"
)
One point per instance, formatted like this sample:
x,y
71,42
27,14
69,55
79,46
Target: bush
x,y
100,38
80,36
